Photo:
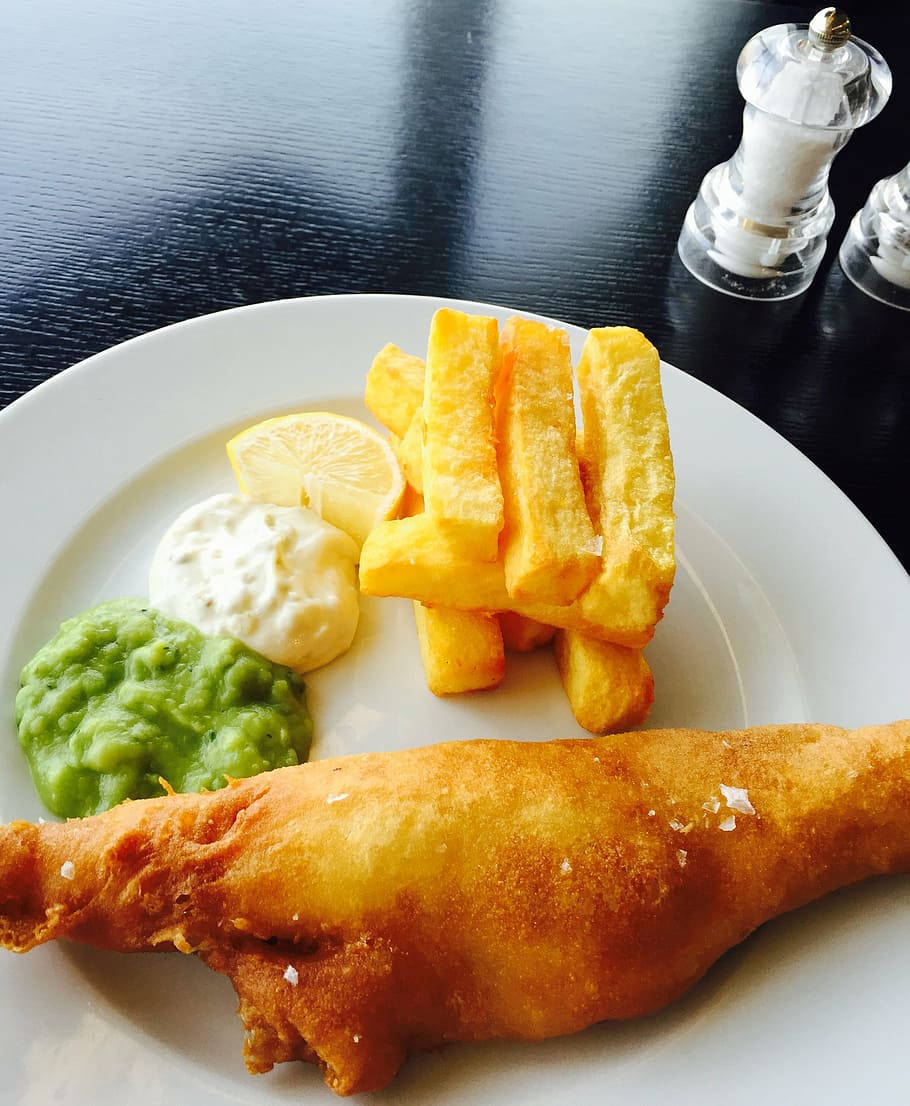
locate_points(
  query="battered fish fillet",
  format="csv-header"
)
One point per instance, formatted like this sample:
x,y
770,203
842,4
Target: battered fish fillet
x,y
372,906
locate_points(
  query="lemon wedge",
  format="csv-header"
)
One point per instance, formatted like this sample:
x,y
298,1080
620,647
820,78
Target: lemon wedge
x,y
337,466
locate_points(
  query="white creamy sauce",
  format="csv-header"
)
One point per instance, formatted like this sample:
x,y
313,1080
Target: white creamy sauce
x,y
280,579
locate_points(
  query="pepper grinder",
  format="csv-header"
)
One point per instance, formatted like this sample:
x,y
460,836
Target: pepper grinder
x,y
875,253
758,226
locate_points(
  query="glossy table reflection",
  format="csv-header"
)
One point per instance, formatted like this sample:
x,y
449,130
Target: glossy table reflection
x,y
165,160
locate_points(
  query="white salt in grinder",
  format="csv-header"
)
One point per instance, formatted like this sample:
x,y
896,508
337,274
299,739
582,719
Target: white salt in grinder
x,y
758,226
875,253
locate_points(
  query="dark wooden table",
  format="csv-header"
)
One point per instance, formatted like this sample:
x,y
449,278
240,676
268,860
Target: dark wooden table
x,y
162,160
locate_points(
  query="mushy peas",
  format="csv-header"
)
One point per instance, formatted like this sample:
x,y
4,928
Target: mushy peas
x,y
124,694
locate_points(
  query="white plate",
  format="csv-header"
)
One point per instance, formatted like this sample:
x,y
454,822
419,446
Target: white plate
x,y
787,607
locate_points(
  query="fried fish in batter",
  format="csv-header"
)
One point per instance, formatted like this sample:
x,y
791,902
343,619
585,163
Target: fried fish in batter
x,y
375,905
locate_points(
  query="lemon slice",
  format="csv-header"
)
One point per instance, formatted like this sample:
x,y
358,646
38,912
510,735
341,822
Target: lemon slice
x,y
339,467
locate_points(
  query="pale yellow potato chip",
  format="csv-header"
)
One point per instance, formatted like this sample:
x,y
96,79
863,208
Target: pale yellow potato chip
x,y
411,502
415,558
630,480
394,389
461,650
460,473
609,687
409,451
523,635
548,545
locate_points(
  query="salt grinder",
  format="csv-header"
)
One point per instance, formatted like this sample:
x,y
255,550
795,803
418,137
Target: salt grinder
x,y
875,253
758,226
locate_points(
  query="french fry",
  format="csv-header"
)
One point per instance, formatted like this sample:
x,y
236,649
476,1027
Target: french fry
x,y
523,635
609,688
411,502
415,558
394,389
461,650
394,394
548,544
460,475
409,451
630,489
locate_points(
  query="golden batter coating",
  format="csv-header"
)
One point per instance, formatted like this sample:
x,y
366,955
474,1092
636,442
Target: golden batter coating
x,y
375,905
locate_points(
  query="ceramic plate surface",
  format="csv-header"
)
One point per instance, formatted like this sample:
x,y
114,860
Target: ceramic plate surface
x,y
787,607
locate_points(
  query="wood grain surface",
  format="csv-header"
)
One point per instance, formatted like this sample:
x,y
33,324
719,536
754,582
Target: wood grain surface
x,y
163,160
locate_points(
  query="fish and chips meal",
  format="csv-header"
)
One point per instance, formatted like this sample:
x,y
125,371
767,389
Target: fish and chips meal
x,y
374,906
379,905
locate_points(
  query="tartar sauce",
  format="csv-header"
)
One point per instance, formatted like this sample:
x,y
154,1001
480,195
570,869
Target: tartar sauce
x,y
279,579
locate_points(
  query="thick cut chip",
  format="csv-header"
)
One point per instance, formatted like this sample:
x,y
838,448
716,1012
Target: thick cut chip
x,y
609,687
394,388
548,544
630,480
411,502
409,451
461,650
460,474
415,558
523,635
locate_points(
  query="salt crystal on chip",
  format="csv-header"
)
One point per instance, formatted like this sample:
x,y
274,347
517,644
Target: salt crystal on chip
x,y
292,975
565,866
68,869
728,823
336,798
681,856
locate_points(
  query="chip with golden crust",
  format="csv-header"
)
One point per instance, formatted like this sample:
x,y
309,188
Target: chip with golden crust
x,y
409,451
630,478
414,558
523,635
609,687
461,650
394,389
460,473
548,545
